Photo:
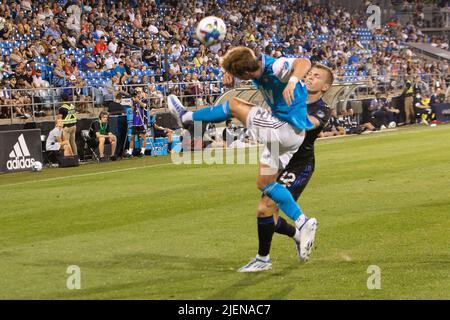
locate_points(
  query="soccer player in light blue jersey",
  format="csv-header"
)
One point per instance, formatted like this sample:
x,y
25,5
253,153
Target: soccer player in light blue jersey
x,y
282,127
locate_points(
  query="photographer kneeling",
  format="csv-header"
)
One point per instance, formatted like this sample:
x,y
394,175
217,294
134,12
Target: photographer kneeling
x,y
100,135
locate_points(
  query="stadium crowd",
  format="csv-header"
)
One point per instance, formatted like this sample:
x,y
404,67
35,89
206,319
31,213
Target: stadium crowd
x,y
110,45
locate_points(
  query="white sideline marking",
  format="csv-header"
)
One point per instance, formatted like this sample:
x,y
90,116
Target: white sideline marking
x,y
393,132
86,174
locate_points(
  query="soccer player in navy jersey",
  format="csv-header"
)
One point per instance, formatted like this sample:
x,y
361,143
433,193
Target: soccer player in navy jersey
x,y
296,175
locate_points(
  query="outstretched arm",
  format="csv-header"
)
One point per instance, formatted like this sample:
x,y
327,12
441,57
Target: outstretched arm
x,y
301,67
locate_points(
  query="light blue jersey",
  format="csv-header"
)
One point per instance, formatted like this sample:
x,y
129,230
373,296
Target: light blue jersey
x,y
275,76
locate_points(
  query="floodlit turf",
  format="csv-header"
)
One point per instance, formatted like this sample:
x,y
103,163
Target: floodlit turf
x,y
147,229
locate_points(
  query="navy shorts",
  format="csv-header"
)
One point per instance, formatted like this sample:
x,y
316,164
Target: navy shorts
x,y
135,130
296,176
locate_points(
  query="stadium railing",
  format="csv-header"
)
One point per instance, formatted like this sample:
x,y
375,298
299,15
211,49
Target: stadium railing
x,y
192,94
48,100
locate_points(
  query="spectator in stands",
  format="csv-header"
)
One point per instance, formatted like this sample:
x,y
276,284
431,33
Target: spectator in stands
x,y
120,69
59,76
81,95
55,140
70,67
53,30
41,96
321,32
100,134
100,47
111,87
19,99
5,102
123,88
112,45
16,57
155,97
87,63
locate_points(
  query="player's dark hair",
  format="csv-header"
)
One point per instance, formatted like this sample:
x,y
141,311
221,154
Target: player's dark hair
x,y
102,113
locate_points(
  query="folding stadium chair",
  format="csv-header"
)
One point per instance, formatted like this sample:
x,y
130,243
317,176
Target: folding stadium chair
x,y
88,145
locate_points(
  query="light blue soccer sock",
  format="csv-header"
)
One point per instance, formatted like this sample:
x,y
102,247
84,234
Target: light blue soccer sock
x,y
284,200
217,113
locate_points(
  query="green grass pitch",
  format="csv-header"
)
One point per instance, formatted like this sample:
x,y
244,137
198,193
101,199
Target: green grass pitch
x,y
148,229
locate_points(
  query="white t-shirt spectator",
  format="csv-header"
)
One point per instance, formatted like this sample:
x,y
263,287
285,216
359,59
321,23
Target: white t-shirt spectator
x,y
109,62
175,67
41,18
74,11
153,29
72,40
52,143
73,23
324,28
131,15
25,5
38,82
112,47
215,48
99,33
177,50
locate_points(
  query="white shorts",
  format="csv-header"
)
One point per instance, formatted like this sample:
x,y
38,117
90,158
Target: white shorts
x,y
281,140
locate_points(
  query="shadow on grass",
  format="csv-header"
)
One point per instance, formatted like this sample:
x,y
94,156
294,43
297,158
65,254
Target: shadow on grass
x,y
196,277
250,279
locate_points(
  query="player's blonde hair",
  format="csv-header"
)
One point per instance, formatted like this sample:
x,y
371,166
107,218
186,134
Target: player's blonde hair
x,y
239,61
330,78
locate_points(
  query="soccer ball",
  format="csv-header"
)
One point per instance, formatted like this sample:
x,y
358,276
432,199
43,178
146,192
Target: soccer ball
x,y
392,125
211,30
37,166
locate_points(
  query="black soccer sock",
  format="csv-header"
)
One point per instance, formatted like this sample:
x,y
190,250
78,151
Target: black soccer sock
x,y
285,228
266,229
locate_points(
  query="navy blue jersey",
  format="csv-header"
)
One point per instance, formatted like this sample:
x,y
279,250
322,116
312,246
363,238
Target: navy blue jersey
x,y
321,112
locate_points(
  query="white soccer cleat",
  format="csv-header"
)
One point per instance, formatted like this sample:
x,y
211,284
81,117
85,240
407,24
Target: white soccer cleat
x,y
176,108
307,238
256,265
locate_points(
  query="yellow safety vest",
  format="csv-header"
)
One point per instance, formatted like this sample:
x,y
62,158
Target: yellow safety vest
x,y
71,114
410,91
